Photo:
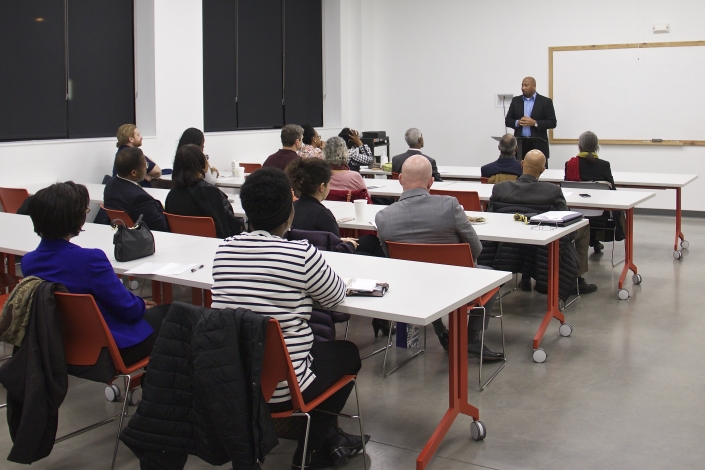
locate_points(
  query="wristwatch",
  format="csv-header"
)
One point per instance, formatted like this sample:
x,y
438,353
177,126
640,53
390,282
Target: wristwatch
x,y
536,124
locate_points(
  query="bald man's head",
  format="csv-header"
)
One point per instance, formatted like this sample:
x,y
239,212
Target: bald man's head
x,y
528,87
534,163
416,173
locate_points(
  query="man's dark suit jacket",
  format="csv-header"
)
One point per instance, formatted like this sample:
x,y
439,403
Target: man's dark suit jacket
x,y
399,160
127,196
543,113
527,190
505,165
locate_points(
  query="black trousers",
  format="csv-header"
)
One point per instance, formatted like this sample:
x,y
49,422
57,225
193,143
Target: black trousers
x,y
135,353
331,361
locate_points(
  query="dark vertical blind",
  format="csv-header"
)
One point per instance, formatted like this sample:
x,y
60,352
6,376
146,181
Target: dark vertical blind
x,y
259,62
303,65
219,65
49,48
32,70
101,67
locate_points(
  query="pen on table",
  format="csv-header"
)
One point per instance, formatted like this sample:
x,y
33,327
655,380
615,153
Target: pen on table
x,y
193,270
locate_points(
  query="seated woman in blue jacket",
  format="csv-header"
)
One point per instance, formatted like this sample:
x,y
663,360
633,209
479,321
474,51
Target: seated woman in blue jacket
x,y
58,213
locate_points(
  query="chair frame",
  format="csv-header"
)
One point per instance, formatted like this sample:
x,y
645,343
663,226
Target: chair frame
x,y
277,366
455,254
117,214
11,198
85,350
250,167
470,200
191,225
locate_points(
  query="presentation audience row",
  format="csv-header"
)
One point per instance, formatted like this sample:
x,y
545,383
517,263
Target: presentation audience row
x,y
129,136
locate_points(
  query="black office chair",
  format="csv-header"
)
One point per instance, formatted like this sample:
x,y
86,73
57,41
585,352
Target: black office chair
x,y
605,221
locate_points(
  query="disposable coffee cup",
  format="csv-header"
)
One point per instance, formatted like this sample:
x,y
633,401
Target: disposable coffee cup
x,y
238,172
360,205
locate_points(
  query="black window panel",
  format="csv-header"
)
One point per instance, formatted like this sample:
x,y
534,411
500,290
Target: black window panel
x,y
32,70
303,65
101,67
219,65
259,75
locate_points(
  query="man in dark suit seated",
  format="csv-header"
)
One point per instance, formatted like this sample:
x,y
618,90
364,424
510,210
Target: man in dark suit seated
x,y
124,192
506,164
292,141
528,190
419,217
414,139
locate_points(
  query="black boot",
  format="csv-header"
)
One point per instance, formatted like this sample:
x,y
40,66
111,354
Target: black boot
x,y
379,324
340,445
474,344
442,332
313,460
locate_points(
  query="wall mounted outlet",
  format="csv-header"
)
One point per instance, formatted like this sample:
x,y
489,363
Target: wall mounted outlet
x,y
660,28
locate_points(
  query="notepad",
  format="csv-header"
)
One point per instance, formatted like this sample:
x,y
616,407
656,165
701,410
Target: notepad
x,y
161,268
555,217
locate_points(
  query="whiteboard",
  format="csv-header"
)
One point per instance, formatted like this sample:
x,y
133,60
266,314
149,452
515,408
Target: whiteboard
x,y
630,93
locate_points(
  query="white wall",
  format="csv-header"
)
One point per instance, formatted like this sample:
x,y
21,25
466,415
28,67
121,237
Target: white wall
x,y
437,65
389,65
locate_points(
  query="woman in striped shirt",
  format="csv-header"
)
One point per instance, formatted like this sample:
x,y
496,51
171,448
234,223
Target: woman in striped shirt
x,y
269,275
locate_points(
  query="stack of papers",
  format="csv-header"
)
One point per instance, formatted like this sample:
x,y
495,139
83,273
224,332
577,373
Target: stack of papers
x,y
161,268
554,217
360,285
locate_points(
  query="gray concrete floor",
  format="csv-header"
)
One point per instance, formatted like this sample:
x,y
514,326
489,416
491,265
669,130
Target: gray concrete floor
x,y
623,392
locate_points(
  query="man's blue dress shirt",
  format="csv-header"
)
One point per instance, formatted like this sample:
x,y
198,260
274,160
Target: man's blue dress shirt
x,y
528,108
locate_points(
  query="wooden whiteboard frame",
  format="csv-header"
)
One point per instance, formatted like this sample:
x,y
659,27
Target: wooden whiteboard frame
x,y
643,45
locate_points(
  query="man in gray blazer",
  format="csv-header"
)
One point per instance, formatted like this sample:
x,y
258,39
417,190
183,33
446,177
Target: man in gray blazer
x,y
419,217
528,190
414,139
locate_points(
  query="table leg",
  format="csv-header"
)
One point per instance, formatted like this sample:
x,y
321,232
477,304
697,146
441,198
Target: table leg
x,y
629,246
553,277
679,233
157,292
457,384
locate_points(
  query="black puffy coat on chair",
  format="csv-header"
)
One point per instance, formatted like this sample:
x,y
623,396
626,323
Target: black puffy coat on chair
x,y
201,394
531,260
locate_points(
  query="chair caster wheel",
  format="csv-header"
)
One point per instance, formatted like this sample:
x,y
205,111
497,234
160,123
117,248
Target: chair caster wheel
x,y
134,396
685,244
623,294
565,329
112,393
636,279
677,254
539,355
477,431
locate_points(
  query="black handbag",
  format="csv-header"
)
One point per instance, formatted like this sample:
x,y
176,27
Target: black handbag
x,y
132,242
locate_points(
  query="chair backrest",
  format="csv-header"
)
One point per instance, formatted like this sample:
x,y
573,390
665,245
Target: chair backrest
x,y
586,185
470,200
348,196
188,225
453,254
277,366
484,180
251,167
3,299
84,331
12,199
499,177
117,214
395,175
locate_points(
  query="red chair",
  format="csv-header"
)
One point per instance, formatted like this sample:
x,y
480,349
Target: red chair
x,y
199,227
12,199
468,199
484,180
348,196
251,167
395,175
117,214
85,335
277,367
453,254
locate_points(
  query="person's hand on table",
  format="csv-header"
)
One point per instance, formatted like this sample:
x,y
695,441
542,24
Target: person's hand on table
x,y
527,121
149,303
351,240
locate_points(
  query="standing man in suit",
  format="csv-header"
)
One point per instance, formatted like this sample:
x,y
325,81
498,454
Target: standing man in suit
x,y
419,217
528,190
414,139
125,193
531,115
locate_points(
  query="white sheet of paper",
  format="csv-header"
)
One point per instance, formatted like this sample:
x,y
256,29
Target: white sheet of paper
x,y
362,285
161,268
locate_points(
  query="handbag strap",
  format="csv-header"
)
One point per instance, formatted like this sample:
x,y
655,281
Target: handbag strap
x,y
114,222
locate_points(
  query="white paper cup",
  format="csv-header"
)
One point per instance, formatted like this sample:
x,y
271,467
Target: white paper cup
x,y
238,172
360,205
